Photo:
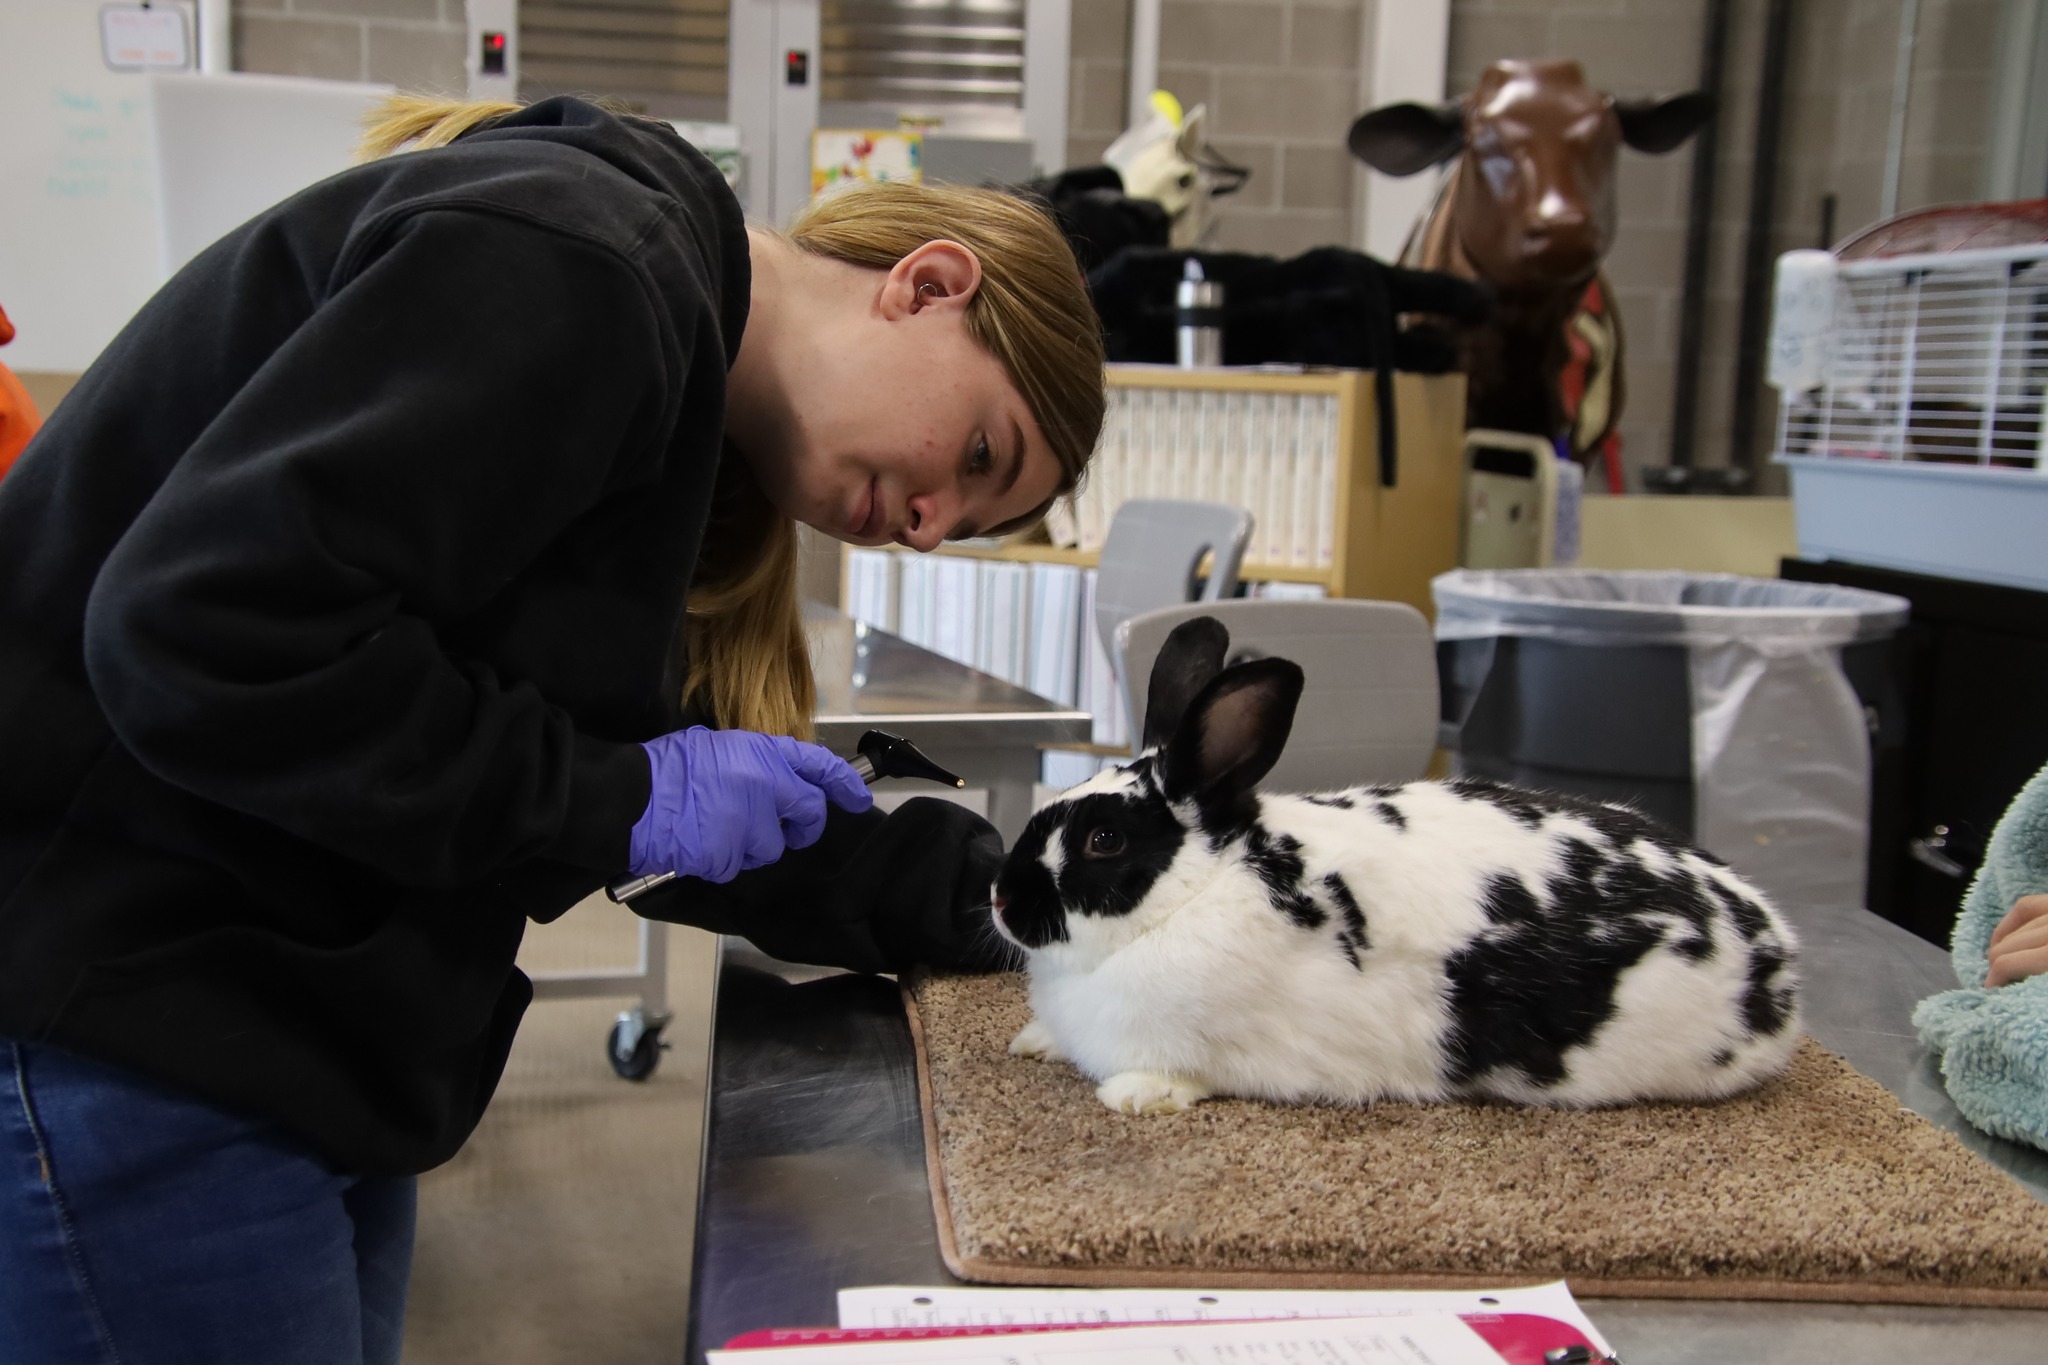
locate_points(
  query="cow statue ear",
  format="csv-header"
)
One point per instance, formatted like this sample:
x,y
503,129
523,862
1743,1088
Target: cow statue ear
x,y
1401,139
1660,126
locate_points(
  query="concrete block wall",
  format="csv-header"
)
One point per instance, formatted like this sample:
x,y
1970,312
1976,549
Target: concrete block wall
x,y
416,45
1280,79
1098,78
1948,115
1839,94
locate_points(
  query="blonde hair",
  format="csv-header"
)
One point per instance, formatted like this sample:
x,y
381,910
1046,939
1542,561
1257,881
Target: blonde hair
x,y
749,663
422,121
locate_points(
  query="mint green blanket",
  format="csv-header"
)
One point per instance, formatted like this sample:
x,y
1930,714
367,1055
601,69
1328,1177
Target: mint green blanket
x,y
1994,1043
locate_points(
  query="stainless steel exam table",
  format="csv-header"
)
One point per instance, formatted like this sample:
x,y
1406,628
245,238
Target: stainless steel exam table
x,y
814,1177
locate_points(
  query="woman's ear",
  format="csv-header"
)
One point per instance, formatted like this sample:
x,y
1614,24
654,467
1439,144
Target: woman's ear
x,y
940,273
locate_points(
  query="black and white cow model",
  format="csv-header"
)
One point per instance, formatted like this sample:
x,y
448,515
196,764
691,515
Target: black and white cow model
x,y
1189,937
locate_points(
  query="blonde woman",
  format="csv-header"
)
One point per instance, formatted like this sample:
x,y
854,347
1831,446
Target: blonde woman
x,y
356,607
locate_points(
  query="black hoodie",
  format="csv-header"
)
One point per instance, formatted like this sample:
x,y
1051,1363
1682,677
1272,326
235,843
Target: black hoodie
x,y
334,601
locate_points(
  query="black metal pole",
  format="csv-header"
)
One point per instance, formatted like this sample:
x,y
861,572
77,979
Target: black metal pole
x,y
1756,256
1699,234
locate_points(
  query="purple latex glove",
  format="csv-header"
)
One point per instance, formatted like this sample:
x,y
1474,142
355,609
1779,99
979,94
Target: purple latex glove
x,y
724,801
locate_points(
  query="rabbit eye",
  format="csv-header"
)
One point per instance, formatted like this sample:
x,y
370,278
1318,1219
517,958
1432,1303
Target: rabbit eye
x,y
1105,843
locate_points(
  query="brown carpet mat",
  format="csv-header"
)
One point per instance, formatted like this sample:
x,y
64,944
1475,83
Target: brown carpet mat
x,y
1817,1186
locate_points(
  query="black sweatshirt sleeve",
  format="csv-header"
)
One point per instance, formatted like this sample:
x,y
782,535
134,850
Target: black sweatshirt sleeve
x,y
263,634
877,893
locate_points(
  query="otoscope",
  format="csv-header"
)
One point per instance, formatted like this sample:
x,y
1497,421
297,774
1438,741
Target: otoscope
x,y
879,754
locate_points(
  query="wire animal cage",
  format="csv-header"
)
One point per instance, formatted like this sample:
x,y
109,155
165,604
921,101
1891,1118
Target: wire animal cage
x,y
1912,409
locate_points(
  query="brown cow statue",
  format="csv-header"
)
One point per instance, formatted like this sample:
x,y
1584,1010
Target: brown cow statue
x,y
1529,209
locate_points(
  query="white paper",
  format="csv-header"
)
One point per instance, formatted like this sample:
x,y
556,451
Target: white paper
x,y
956,1306
1417,1340
1257,458
917,607
1326,485
1055,631
1283,439
1301,545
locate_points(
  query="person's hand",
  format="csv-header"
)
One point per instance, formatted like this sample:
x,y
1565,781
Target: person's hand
x,y
2019,945
725,801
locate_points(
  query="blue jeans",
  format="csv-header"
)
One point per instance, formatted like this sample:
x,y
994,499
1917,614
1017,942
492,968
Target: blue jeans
x,y
139,1225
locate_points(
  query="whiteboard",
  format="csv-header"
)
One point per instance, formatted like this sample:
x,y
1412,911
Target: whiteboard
x,y
227,147
111,180
77,204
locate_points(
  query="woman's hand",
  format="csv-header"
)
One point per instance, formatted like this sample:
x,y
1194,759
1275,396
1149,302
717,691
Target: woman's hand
x,y
2019,945
725,801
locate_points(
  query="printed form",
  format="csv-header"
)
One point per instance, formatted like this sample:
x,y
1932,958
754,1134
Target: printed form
x,y
1420,1340
953,1306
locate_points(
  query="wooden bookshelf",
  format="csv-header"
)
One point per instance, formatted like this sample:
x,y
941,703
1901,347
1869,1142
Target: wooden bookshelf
x,y
1027,552
1388,543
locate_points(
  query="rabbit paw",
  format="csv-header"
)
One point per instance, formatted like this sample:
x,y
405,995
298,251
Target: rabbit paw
x,y
1035,1040
1150,1092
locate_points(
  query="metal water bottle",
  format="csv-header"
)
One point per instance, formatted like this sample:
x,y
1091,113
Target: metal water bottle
x,y
1198,318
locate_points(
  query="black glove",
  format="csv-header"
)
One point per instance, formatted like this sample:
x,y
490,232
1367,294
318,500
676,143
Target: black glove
x,y
876,893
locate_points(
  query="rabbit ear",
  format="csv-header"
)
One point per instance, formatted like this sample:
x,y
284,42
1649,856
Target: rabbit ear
x,y
1191,657
1232,734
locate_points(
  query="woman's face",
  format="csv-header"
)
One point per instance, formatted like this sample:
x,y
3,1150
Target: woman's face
x,y
903,428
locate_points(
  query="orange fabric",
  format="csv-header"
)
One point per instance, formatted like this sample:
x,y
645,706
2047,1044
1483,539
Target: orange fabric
x,y
18,416
18,419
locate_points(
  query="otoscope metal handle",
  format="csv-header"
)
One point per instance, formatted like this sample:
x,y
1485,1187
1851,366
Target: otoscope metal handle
x,y
626,890
878,755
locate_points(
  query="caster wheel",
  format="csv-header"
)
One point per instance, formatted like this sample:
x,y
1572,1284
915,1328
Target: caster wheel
x,y
635,1061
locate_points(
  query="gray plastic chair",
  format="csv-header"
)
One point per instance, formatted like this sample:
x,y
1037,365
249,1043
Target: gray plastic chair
x,y
1369,701
1149,558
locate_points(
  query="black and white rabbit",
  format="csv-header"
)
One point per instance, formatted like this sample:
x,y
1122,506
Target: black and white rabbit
x,y
1189,937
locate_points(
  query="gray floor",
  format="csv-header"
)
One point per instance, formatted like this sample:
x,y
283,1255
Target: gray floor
x,y
562,1231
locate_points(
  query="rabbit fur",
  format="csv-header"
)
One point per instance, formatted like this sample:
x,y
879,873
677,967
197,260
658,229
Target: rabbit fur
x,y
1189,937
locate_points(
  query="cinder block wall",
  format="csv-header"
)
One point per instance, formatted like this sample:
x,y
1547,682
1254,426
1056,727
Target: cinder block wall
x,y
1837,123
1098,78
413,44
1948,119
1281,79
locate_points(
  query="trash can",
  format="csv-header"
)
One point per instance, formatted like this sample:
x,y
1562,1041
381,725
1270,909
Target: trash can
x,y
1740,711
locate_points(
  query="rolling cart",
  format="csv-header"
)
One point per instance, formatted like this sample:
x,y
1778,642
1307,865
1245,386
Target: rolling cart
x,y
634,1044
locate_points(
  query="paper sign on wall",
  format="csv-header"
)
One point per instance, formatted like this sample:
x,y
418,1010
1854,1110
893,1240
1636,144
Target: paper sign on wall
x,y
144,38
841,157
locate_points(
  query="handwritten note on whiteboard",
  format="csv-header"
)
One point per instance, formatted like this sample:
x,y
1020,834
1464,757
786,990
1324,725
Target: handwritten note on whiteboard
x,y
78,238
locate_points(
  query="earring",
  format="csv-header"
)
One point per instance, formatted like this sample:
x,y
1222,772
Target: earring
x,y
930,288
